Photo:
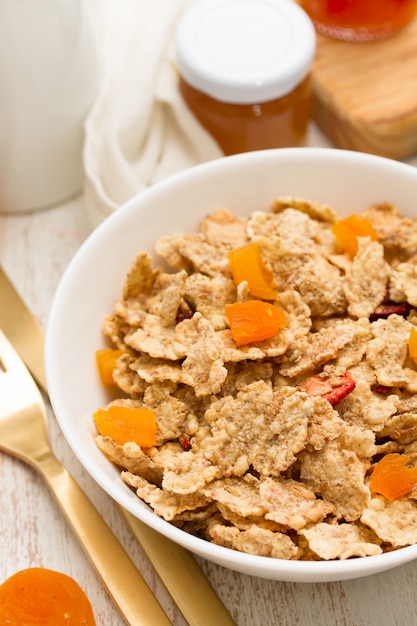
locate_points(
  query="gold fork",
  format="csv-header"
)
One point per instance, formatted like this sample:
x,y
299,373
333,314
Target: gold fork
x,y
176,567
23,434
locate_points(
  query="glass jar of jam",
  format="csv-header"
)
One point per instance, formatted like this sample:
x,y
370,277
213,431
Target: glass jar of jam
x,y
359,20
244,71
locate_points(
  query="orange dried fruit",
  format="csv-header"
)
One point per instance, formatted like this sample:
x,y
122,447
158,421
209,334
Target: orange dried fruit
x,y
348,230
106,360
254,320
246,263
124,424
42,597
391,478
412,344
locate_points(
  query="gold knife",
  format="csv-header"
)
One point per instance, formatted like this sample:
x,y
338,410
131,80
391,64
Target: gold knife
x,y
176,567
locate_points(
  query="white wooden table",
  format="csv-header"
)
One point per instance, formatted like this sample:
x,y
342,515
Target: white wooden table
x,y
34,251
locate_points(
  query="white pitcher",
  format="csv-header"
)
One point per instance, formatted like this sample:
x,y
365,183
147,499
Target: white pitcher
x,y
49,75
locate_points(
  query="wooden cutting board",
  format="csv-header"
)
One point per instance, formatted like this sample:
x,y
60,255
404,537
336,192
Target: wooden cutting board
x,y
365,94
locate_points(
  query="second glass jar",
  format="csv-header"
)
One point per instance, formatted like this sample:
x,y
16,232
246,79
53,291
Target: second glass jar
x,y
359,20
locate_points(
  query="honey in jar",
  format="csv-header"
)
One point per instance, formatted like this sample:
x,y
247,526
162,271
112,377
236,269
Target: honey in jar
x,y
359,20
244,71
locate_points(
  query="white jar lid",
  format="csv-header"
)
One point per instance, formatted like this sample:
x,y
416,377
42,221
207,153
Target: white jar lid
x,y
245,51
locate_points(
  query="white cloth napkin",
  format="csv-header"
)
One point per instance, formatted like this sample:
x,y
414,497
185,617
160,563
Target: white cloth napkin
x,y
139,130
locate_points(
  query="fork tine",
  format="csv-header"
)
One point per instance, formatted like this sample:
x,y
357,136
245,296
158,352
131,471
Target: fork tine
x,y
17,386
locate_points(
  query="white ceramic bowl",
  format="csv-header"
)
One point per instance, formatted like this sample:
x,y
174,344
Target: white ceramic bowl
x,y
348,181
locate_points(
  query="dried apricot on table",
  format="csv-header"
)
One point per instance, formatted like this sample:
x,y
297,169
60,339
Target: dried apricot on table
x,y
348,230
391,478
42,597
246,263
254,320
106,360
124,424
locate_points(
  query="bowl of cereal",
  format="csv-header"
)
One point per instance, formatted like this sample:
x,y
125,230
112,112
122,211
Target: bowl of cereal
x,y
231,356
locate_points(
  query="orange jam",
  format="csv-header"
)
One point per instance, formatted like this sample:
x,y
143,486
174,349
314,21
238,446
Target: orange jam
x,y
244,127
359,20
245,71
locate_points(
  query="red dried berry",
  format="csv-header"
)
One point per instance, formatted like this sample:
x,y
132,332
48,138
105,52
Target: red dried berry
x,y
185,442
333,393
181,316
382,389
337,394
385,310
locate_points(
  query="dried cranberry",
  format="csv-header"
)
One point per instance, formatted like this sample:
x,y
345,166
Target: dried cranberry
x,y
337,394
384,310
185,442
182,315
382,389
318,386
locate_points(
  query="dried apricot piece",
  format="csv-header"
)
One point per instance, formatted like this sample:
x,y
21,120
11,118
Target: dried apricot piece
x,y
246,264
125,423
348,230
254,320
412,344
106,360
44,597
391,478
